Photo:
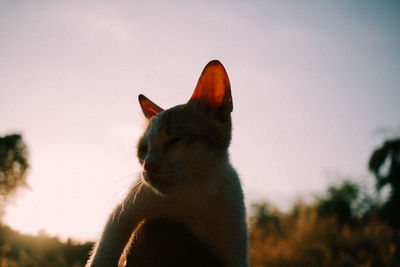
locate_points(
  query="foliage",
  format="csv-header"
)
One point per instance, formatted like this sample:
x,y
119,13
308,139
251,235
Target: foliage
x,y
339,201
388,155
319,234
343,227
13,166
23,250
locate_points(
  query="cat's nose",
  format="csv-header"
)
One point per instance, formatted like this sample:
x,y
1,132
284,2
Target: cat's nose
x,y
151,164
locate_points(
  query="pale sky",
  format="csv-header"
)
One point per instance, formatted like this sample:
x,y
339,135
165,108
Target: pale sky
x,y
312,83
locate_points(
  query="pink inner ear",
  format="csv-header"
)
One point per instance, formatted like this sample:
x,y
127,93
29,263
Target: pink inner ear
x,y
213,86
149,108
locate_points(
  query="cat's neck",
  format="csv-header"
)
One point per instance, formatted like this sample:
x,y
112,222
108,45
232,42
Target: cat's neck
x,y
218,175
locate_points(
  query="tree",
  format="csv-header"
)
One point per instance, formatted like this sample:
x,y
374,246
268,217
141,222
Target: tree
x,y
384,163
339,202
264,213
13,166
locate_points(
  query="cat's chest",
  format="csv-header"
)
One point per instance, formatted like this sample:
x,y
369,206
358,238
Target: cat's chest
x,y
179,234
198,210
164,242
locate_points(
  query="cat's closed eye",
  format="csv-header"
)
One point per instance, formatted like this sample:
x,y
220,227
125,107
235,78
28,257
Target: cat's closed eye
x,y
190,139
173,141
142,151
185,139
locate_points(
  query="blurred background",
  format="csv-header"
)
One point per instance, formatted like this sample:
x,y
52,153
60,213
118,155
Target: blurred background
x,y
316,120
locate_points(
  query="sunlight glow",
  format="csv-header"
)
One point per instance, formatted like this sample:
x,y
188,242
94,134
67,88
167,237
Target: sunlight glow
x,y
310,84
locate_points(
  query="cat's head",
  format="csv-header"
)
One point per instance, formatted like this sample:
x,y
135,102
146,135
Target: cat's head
x,y
187,142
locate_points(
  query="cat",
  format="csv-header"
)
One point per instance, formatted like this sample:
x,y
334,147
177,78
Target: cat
x,y
188,201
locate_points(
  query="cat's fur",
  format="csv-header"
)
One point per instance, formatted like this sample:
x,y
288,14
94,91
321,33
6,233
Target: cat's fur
x,y
188,195
163,242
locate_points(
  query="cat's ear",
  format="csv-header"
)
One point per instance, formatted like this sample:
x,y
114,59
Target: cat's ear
x,y
149,108
214,90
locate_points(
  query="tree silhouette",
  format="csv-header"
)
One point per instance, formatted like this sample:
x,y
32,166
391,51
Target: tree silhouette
x,y
13,166
339,201
264,213
385,165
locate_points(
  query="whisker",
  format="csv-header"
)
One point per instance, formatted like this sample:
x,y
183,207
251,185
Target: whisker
x,y
124,178
132,192
118,191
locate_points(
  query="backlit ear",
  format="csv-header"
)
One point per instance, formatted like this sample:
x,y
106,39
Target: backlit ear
x,y
214,89
149,108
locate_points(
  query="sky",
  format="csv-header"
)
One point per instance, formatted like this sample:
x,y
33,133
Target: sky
x,y
315,87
